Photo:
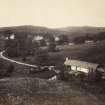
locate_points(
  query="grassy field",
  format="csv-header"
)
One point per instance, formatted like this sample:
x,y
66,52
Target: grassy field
x,y
31,91
24,71
91,52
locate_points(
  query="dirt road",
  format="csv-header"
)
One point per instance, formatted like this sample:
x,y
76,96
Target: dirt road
x,y
17,62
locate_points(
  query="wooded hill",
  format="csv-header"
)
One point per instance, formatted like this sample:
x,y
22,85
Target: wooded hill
x,y
72,32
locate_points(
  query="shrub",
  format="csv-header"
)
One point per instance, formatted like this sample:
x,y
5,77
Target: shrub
x,y
10,69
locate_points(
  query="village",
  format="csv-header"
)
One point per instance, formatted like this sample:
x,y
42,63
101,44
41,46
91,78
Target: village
x,y
51,64
52,52
41,48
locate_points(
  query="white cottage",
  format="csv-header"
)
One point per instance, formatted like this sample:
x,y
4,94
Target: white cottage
x,y
86,67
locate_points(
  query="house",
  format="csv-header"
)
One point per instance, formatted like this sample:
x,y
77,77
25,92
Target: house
x,y
89,41
82,66
38,38
71,43
12,36
57,39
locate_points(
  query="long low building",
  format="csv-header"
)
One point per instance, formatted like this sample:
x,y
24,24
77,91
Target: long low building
x,y
86,67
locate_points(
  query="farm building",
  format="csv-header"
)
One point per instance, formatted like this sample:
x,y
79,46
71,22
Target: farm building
x,y
85,67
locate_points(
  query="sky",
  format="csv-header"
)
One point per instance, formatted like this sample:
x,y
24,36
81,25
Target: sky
x,y
52,13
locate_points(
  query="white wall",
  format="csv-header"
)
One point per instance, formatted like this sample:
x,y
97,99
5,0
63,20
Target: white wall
x,y
84,70
74,68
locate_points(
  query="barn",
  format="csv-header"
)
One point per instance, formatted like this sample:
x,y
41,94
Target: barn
x,y
83,66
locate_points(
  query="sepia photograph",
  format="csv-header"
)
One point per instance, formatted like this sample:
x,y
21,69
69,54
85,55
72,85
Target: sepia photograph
x,y
52,52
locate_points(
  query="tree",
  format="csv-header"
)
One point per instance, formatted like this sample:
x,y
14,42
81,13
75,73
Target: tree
x,y
7,33
88,37
12,48
63,75
10,69
23,45
63,39
2,68
79,40
98,75
52,47
41,57
101,36
52,44
42,42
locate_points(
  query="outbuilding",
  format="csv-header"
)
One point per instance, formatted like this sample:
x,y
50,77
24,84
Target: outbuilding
x,y
83,66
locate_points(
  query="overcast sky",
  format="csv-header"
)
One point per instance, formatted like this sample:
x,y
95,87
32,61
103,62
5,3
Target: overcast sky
x,y
52,13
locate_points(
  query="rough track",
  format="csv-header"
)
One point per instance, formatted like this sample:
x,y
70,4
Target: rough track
x,y
17,62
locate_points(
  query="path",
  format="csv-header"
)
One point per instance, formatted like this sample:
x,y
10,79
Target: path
x,y
17,62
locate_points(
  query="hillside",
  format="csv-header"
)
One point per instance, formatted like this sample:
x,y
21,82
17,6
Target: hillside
x,y
83,29
31,91
64,30
30,29
71,32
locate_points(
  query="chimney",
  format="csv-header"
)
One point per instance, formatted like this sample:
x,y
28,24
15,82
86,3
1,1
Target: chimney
x,y
67,58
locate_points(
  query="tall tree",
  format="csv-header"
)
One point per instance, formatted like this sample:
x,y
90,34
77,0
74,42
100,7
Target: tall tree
x,y
63,39
12,47
51,44
41,57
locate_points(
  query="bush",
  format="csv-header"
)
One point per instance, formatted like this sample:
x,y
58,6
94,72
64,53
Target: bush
x,y
41,57
1,64
10,69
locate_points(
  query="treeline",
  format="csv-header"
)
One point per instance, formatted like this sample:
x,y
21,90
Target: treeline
x,y
23,45
88,37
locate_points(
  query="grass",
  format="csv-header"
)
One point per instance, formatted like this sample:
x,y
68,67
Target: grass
x,y
24,71
91,52
31,91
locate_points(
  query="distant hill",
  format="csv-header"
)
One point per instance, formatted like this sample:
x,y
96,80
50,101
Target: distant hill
x,y
73,32
69,31
31,29
83,29
26,29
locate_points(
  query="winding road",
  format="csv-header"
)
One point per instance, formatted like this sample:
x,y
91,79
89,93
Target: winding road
x,y
17,62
